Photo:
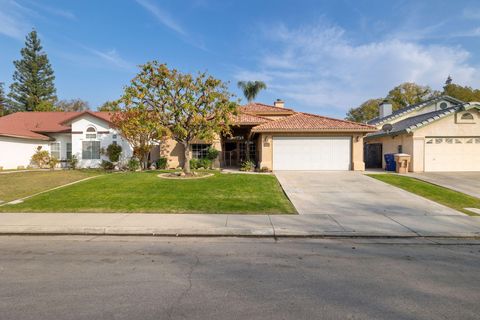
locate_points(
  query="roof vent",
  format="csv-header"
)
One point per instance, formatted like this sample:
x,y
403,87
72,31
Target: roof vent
x,y
279,103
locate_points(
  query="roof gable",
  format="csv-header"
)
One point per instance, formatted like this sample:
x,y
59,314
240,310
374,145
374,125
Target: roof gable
x,y
35,125
413,123
413,107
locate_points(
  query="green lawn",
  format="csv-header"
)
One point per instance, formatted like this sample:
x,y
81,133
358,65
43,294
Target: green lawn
x,y
145,192
21,184
450,198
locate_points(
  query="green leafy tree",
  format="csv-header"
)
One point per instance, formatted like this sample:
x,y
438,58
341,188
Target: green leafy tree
x,y
33,81
140,125
366,111
466,93
109,106
408,93
251,89
72,105
401,96
188,107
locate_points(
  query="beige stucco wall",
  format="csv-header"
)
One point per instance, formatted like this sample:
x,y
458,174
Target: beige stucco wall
x,y
173,151
266,147
390,145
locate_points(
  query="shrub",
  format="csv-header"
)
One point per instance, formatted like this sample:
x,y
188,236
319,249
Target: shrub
x,y
264,169
247,166
133,164
161,163
212,153
41,158
113,152
52,163
107,165
200,163
194,163
73,161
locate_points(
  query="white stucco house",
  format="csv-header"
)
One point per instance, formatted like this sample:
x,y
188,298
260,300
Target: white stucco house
x,y
63,134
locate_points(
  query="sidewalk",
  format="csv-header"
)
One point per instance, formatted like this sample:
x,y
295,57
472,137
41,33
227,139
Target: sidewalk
x,y
315,225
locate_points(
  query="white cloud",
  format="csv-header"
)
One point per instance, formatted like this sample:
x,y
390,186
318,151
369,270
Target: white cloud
x,y
12,22
320,68
162,16
113,58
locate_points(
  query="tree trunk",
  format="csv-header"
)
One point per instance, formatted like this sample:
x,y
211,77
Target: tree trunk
x,y
186,163
247,150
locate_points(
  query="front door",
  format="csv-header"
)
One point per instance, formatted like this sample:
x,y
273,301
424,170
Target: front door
x,y
373,155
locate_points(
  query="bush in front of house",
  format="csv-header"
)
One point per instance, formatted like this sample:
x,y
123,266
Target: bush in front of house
x,y
52,163
73,162
200,163
212,153
162,163
113,152
41,158
247,166
133,164
107,165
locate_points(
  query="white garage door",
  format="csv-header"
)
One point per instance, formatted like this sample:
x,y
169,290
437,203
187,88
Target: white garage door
x,y
452,154
311,153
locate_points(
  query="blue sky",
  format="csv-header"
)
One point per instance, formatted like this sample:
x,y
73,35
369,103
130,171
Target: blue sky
x,y
319,56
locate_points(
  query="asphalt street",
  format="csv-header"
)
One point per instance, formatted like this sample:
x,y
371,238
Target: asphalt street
x,y
68,277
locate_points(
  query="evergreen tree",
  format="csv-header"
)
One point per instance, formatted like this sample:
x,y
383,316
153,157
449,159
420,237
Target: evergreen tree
x,y
33,86
3,101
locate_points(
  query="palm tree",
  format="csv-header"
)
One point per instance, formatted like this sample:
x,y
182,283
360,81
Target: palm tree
x,y
251,88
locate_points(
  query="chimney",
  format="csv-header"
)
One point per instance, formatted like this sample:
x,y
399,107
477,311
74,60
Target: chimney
x,y
279,103
385,108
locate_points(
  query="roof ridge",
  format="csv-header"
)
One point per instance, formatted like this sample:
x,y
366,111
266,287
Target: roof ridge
x,y
257,116
343,120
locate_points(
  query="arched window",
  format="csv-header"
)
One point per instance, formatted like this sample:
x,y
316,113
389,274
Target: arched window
x,y
91,133
467,116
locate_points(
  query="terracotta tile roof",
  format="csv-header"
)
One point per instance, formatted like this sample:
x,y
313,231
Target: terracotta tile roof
x,y
243,118
306,122
33,124
260,108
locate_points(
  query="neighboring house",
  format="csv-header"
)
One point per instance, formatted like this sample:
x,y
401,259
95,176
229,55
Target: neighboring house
x,y
63,134
280,138
440,134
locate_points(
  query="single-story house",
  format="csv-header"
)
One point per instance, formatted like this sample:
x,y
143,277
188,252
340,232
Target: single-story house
x,y
278,138
440,134
63,134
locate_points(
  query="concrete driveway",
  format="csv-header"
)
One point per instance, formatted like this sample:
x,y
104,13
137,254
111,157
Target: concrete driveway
x,y
352,193
466,182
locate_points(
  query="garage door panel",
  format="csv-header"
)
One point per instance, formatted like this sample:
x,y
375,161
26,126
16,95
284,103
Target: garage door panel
x,y
452,154
311,153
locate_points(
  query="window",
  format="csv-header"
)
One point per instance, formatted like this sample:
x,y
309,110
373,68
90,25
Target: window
x,y
200,151
443,105
69,150
400,148
90,150
243,150
55,150
91,133
114,136
467,116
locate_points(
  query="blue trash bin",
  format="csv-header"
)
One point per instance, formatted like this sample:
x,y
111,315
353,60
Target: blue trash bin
x,y
390,164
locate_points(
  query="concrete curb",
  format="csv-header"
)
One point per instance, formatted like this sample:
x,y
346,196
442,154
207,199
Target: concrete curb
x,y
217,232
